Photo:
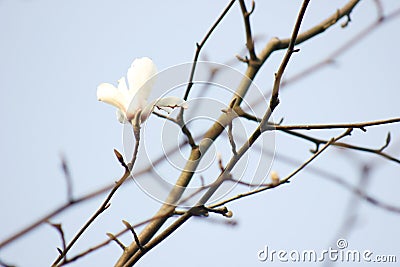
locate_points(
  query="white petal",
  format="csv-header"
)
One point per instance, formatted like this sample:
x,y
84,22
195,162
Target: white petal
x,y
136,104
109,94
146,111
170,102
122,85
141,70
121,117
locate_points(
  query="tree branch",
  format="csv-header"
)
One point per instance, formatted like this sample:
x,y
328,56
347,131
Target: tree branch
x,y
181,220
287,178
249,36
128,258
200,45
106,203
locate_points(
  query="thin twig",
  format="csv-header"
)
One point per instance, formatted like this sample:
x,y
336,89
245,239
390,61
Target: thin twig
x,y
106,203
230,112
249,36
185,131
246,183
379,9
333,178
135,236
336,53
116,240
274,101
200,45
287,178
86,197
319,142
179,121
360,125
68,179
231,139
278,126
59,229
106,242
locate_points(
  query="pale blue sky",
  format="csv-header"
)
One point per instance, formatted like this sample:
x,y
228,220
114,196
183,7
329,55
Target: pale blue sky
x,y
55,53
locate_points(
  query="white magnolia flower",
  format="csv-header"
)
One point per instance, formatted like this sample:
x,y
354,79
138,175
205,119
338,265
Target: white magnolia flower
x,y
132,100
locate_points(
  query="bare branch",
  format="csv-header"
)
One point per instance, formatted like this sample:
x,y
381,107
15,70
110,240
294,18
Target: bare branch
x,y
59,229
249,37
229,111
287,178
135,236
181,220
274,101
387,142
318,142
114,238
220,210
106,203
186,132
200,45
68,179
336,53
106,242
88,196
379,9
333,178
360,125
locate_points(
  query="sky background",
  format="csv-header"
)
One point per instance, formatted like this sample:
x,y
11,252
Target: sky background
x,y
55,53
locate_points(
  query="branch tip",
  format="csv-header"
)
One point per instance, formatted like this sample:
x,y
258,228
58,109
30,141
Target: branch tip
x,y
120,158
346,23
135,236
114,238
221,210
127,224
387,142
228,214
243,59
253,6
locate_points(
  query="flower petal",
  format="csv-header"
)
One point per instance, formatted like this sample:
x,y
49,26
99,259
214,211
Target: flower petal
x,y
170,102
121,117
147,111
109,94
141,70
137,103
122,86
